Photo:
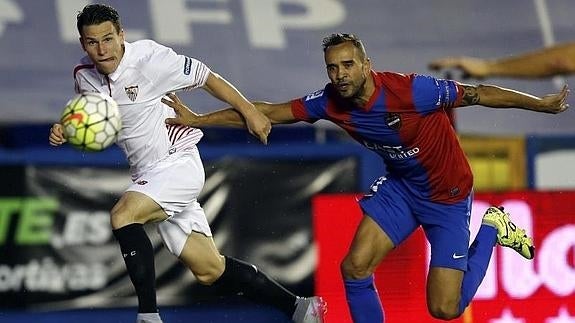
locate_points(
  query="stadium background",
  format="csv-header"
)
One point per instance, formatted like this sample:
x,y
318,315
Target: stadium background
x,y
287,207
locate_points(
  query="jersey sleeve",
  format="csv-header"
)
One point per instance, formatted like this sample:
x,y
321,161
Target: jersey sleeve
x,y
80,82
431,94
81,85
311,107
172,72
77,83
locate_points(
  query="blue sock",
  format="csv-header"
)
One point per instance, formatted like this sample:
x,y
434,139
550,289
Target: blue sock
x,y
363,300
479,255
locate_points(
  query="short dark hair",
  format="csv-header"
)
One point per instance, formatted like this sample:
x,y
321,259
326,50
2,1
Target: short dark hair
x,y
339,38
95,14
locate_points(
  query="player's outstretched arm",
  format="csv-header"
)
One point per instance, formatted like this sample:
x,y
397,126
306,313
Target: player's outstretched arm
x,y
185,116
470,67
545,62
278,113
257,123
56,137
499,97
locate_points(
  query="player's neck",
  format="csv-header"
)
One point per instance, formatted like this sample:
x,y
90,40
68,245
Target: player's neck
x,y
365,93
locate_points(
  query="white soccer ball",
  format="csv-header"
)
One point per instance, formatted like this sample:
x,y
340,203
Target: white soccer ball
x,y
91,121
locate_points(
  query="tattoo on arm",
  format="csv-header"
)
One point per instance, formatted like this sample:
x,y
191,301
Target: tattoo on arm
x,y
470,95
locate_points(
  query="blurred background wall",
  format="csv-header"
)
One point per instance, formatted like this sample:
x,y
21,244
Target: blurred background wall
x,y
253,42
58,253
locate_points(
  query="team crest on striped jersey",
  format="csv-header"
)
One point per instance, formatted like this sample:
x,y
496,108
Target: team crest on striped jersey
x,y
132,92
393,120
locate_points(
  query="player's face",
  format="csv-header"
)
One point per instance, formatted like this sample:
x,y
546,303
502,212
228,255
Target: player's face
x,y
347,69
104,45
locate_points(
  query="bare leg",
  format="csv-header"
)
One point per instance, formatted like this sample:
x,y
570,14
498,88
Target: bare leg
x,y
202,257
369,246
444,292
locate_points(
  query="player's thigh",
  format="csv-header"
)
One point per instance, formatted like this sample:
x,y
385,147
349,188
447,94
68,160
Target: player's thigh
x,y
135,207
368,248
388,221
389,206
201,255
176,228
174,183
446,227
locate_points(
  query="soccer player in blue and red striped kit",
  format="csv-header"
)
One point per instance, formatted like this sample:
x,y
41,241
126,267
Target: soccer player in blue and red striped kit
x,y
404,119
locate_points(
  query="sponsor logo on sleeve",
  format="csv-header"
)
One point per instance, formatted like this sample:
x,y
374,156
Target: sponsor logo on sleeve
x,y
314,95
187,66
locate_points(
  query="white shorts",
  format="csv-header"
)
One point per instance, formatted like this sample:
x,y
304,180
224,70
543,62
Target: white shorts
x,y
175,183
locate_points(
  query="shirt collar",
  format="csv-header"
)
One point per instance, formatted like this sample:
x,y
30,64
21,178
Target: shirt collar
x,y
376,80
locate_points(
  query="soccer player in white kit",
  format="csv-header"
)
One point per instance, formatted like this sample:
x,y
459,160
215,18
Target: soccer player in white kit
x,y
165,164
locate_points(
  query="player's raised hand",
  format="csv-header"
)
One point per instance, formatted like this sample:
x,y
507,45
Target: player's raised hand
x,y
56,137
258,125
184,116
469,66
555,103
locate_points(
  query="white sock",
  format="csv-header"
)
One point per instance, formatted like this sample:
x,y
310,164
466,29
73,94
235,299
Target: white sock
x,y
148,318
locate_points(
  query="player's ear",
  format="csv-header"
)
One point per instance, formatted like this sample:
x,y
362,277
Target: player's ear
x,y
121,34
367,65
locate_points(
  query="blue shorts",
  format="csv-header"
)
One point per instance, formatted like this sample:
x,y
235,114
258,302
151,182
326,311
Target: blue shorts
x,y
399,212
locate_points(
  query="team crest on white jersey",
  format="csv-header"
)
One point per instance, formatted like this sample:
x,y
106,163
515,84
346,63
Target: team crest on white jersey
x,y
132,92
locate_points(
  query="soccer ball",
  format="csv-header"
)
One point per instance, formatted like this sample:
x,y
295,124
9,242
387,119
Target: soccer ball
x,y
91,121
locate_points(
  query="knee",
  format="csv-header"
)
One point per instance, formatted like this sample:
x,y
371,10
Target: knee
x,y
444,311
119,218
207,278
207,275
355,268
124,214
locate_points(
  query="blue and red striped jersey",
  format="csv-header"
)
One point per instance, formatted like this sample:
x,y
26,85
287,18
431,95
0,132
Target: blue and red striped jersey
x,y
406,122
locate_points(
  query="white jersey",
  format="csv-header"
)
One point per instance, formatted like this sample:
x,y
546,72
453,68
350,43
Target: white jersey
x,y
145,74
